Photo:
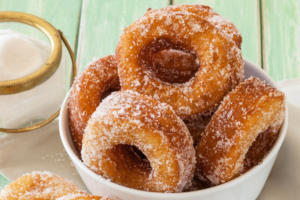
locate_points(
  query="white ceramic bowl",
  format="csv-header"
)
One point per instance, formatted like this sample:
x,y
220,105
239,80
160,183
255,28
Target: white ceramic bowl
x,y
246,186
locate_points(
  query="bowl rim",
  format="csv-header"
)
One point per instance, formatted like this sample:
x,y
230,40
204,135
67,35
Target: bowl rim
x,y
63,124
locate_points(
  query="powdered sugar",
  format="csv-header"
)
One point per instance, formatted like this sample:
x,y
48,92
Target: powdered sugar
x,y
39,185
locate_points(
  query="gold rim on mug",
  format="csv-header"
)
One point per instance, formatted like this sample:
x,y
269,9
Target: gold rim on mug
x,y
43,73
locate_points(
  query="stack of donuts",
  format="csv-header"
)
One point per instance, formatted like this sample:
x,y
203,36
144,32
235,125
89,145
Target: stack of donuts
x,y
171,108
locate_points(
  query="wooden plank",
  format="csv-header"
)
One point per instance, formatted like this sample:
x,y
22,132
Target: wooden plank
x,y
281,33
3,181
64,15
245,15
102,23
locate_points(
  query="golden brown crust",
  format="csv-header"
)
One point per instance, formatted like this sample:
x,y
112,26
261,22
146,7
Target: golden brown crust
x,y
129,127
250,109
221,64
205,12
39,185
44,186
98,79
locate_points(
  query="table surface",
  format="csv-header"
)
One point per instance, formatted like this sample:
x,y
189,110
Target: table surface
x,y
269,27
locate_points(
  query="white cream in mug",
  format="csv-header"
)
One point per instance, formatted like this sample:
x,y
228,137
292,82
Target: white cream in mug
x,y
20,55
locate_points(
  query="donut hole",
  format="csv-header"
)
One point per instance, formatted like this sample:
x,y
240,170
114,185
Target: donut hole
x,y
110,90
132,164
197,125
259,148
168,62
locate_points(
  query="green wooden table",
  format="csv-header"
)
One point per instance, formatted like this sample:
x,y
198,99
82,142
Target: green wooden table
x,y
270,28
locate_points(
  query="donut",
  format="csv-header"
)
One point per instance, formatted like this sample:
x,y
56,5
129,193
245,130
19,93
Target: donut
x,y
249,116
139,142
39,185
219,58
98,80
46,186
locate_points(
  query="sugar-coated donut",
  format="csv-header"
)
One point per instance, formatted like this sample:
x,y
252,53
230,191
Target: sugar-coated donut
x,y
220,60
139,142
44,186
251,114
39,185
98,79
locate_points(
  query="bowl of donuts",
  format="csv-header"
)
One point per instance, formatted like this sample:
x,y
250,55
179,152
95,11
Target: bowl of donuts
x,y
176,113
